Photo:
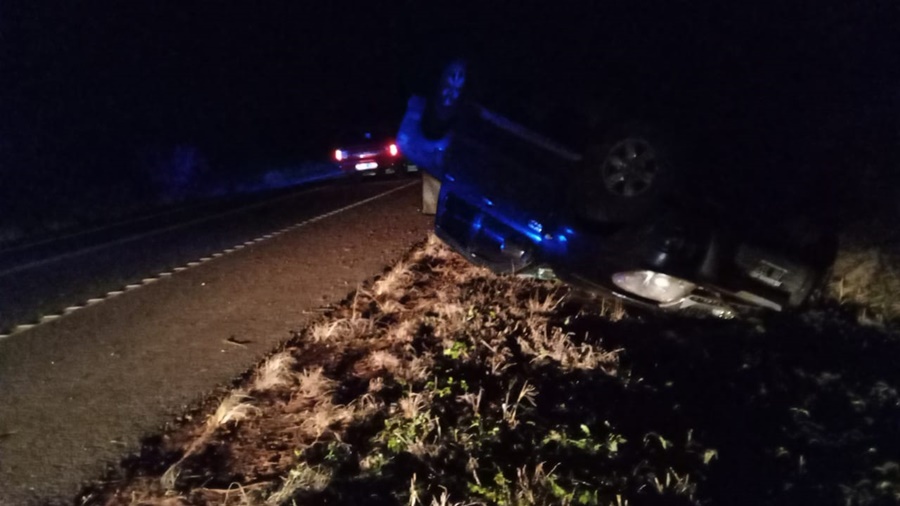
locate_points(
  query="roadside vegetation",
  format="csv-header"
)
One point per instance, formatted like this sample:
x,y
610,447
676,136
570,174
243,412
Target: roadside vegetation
x,y
866,275
867,278
441,384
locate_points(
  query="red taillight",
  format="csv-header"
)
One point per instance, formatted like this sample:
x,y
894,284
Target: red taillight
x,y
338,155
392,149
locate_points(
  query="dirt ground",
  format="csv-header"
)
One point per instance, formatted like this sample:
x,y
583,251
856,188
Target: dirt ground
x,y
440,383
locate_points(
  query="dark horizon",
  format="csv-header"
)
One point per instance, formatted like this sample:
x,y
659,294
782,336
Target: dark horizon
x,y
89,88
207,75
226,73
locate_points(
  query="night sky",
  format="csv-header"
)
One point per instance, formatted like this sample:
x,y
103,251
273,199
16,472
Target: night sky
x,y
217,74
87,85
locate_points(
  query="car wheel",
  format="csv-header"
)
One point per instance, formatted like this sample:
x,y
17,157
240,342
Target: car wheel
x,y
444,103
625,177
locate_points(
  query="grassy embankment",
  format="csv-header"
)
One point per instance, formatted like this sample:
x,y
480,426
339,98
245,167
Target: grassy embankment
x,y
441,383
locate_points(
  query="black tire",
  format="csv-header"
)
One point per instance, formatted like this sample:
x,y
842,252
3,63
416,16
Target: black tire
x,y
625,177
443,105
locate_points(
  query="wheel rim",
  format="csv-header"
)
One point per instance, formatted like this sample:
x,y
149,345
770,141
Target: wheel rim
x,y
452,83
630,167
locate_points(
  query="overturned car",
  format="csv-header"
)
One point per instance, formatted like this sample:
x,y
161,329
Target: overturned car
x,y
619,207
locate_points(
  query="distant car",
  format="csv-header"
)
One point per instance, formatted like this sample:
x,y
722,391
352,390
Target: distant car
x,y
370,153
611,212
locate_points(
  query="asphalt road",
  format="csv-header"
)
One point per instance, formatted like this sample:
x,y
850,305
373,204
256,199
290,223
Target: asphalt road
x,y
42,279
151,308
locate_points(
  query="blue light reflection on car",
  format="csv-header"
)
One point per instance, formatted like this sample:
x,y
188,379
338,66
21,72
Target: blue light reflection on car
x,y
537,238
510,222
476,224
497,237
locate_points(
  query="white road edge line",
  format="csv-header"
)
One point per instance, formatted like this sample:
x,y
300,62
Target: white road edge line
x,y
18,329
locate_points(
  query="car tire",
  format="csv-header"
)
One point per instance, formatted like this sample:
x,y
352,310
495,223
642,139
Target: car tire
x,y
625,177
445,101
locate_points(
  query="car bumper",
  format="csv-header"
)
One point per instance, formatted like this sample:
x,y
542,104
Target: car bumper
x,y
373,165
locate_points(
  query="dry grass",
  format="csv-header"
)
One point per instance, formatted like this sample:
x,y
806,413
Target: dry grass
x,y
433,250
314,384
403,332
393,283
137,499
612,308
232,409
444,500
472,400
390,306
870,279
510,408
553,344
415,369
414,404
302,478
343,329
439,500
543,305
276,372
381,360
235,495
533,486
450,312
325,419
366,405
